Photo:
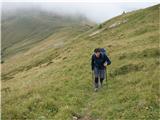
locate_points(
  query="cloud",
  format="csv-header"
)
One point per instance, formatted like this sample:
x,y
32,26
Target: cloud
x,y
98,12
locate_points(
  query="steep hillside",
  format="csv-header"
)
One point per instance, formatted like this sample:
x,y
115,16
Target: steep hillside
x,y
23,29
53,79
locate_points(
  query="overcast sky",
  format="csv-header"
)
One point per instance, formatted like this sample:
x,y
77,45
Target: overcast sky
x,y
95,11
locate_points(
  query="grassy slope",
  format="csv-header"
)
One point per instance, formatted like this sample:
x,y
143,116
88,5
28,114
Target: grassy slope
x,y
63,89
23,29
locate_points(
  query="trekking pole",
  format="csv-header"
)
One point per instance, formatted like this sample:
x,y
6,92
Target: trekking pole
x,y
106,75
92,78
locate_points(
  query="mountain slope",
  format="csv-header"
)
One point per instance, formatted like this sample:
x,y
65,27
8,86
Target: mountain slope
x,y
22,29
55,83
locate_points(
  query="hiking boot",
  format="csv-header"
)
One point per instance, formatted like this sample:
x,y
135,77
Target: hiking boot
x,y
96,89
101,85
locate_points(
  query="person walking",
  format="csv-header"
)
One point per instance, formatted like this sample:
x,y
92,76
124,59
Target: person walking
x,y
99,61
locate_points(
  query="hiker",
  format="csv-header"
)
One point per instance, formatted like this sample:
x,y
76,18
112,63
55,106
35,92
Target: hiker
x,y
99,61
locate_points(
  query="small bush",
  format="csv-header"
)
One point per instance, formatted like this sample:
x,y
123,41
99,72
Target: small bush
x,y
154,52
127,69
122,57
100,26
2,61
147,53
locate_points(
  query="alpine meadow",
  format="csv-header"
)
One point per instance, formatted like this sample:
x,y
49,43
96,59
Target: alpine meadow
x,y
46,66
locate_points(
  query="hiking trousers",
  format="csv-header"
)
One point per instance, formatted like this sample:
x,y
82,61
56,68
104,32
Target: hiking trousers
x,y
99,74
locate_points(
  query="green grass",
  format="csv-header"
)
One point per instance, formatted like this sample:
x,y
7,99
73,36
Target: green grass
x,y
63,88
23,29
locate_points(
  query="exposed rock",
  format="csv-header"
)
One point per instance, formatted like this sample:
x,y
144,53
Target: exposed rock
x,y
117,23
111,26
75,118
94,33
114,25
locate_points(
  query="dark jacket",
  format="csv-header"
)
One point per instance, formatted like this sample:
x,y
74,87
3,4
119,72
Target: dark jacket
x,y
98,62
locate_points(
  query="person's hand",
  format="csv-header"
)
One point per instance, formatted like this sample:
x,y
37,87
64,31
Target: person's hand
x,y
105,64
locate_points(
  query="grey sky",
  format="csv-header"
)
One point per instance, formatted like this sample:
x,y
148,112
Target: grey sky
x,y
98,12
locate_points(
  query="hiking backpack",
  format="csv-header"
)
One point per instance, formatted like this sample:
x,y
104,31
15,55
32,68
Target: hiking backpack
x,y
103,51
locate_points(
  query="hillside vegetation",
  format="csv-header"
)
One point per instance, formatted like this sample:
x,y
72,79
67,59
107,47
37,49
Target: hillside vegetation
x,y
52,80
23,29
